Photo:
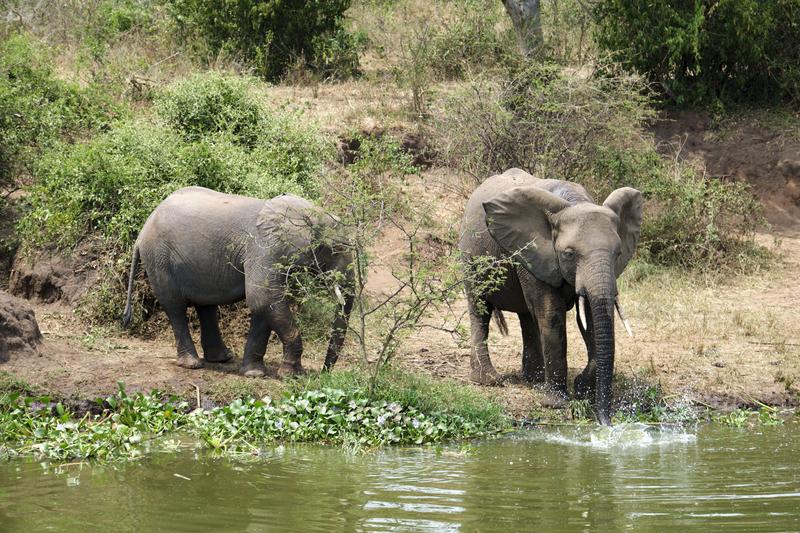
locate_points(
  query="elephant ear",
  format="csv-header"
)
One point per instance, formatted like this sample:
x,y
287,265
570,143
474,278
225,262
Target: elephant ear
x,y
519,220
627,204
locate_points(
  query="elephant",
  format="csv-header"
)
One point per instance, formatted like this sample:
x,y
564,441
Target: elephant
x,y
555,248
204,248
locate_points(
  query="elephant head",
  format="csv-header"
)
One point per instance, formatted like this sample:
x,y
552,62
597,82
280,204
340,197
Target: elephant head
x,y
580,243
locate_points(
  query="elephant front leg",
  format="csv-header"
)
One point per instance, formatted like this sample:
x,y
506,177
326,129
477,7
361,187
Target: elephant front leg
x,y
483,370
257,338
550,313
532,359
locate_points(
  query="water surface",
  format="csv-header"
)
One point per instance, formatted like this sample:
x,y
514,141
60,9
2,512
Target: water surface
x,y
626,478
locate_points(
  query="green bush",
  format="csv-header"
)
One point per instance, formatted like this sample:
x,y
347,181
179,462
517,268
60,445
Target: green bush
x,y
211,103
268,35
37,109
691,221
707,51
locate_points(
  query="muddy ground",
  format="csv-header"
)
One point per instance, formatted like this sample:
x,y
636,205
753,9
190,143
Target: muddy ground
x,y
723,343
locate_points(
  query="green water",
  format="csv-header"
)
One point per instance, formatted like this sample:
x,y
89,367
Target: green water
x,y
627,478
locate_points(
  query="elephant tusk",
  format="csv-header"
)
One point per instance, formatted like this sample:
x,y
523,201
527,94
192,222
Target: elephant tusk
x,y
338,292
582,311
625,321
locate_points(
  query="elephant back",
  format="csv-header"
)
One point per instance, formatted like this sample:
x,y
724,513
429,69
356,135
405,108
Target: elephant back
x,y
291,223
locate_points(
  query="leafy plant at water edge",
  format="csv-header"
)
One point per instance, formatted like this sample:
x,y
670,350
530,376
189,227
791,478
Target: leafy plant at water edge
x,y
128,423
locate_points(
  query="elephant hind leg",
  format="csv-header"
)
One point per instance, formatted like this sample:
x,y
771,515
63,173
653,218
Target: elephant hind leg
x,y
483,371
214,349
532,358
257,338
187,353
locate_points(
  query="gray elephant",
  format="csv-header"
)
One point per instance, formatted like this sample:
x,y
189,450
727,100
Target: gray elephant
x,y
563,249
204,248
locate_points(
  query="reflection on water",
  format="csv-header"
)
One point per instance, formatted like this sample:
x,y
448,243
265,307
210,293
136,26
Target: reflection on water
x,y
574,479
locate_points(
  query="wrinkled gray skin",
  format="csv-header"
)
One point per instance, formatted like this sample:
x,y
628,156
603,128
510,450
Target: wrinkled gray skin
x,y
204,248
578,248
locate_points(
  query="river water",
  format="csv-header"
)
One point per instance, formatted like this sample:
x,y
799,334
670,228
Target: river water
x,y
570,479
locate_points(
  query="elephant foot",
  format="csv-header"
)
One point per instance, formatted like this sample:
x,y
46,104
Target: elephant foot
x,y
485,376
254,370
533,375
222,355
288,370
190,361
584,387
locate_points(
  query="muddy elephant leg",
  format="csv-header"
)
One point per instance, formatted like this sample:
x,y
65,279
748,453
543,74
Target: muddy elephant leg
x,y
281,320
532,360
256,346
483,371
214,349
550,312
585,381
187,353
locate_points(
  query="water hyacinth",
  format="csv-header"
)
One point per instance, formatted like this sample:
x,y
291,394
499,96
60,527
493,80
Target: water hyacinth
x,y
128,424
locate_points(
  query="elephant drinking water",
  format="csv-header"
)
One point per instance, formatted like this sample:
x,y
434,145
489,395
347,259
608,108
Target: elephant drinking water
x,y
565,249
204,248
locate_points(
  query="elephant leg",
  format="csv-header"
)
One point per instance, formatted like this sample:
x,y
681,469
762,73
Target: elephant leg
x,y
585,381
550,312
283,323
483,371
187,353
214,349
256,346
532,359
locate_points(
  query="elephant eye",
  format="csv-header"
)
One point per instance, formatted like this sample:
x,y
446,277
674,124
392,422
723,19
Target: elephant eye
x,y
568,253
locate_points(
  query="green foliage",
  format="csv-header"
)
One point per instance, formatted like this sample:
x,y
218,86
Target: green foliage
x,y
327,416
707,50
208,103
639,400
39,427
37,109
741,418
268,36
691,220
419,391
540,120
220,139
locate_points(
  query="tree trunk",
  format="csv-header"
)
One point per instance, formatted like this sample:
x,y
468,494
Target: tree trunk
x,y
527,20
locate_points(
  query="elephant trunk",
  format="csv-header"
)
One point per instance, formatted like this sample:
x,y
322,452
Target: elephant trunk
x,y
600,288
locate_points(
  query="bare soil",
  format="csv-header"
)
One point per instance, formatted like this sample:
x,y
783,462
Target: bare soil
x,y
724,343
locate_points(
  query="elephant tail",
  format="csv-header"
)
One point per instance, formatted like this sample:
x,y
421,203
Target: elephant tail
x,y
500,322
127,316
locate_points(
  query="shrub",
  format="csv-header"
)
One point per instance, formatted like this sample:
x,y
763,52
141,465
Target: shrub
x,y
37,109
707,50
211,103
220,139
269,36
540,120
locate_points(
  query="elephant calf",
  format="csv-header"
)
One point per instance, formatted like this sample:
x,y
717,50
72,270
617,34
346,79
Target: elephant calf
x,y
565,249
204,248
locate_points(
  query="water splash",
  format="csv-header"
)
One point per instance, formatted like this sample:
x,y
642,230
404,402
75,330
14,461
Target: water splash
x,y
620,436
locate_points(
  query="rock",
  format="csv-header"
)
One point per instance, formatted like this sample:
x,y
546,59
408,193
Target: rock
x,y
19,332
49,277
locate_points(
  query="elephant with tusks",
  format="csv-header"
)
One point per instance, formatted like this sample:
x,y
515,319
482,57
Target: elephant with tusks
x,y
564,250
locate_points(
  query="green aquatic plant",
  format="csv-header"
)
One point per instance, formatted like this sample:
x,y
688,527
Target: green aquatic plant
x,y
127,425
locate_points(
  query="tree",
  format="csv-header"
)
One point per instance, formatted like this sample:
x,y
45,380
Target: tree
x,y
527,20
